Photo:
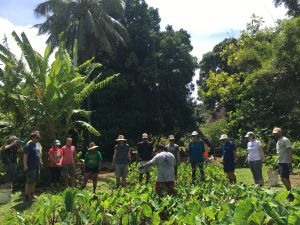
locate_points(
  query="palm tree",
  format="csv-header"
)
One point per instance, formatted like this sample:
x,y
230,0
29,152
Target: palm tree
x,y
94,23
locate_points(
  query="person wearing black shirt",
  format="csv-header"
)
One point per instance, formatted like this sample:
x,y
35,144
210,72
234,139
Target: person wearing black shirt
x,y
144,154
10,158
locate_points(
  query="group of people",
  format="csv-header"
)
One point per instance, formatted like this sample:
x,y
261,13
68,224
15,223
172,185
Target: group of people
x,y
62,161
256,156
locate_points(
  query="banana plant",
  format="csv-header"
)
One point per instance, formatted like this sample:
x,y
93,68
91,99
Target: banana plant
x,y
45,96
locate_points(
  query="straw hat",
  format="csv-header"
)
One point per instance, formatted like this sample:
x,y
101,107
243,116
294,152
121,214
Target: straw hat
x,y
92,146
121,138
171,137
145,136
12,138
223,137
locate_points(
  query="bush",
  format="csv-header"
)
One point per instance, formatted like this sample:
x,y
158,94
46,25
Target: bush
x,y
214,130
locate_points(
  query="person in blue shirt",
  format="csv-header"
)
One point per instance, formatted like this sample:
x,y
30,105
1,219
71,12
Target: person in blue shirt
x,y
228,157
195,151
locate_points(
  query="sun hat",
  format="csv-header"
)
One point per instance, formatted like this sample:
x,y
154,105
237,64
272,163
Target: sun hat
x,y
250,133
57,143
13,137
277,130
92,146
171,137
195,133
121,138
145,136
223,137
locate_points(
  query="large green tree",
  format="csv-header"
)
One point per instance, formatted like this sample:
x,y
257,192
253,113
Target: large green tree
x,y
293,6
94,23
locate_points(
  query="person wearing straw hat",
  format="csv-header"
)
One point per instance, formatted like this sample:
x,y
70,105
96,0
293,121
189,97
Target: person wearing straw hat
x,y
284,151
174,149
121,160
255,157
165,162
55,165
229,157
196,150
10,158
92,162
144,154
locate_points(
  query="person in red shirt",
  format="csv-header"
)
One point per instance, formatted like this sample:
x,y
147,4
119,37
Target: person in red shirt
x,y
56,157
68,163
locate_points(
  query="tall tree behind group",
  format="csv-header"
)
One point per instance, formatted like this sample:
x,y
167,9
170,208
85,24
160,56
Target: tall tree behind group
x,y
94,23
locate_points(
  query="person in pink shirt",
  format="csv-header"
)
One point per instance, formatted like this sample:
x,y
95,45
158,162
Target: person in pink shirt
x,y
68,163
56,157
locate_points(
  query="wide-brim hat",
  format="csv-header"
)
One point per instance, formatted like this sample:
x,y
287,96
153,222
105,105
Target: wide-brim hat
x,y
92,146
223,137
195,133
277,130
250,133
121,138
13,137
171,137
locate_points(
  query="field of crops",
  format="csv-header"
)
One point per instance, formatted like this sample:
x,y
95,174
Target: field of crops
x,y
212,202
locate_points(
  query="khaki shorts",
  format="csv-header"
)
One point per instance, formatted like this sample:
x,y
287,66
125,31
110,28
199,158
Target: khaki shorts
x,y
68,170
121,170
32,176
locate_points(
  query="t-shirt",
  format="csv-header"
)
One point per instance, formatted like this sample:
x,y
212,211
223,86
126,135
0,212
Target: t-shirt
x,y
196,150
253,150
56,155
165,162
92,159
145,150
33,152
228,149
10,154
174,149
281,146
122,153
68,154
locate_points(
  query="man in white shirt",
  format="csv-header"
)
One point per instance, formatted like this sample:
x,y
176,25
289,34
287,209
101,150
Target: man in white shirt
x,y
284,151
165,162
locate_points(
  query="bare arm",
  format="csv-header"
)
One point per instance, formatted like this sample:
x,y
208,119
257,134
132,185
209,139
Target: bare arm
x,y
261,152
290,152
114,158
25,158
10,145
51,158
129,156
234,155
146,165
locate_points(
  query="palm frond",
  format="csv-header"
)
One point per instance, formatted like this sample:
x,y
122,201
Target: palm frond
x,y
86,126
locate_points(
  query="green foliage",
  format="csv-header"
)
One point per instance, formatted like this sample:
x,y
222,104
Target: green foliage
x,y
214,130
293,6
212,202
40,96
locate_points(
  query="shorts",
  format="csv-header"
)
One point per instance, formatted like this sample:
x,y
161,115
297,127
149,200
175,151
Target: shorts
x,y
55,174
169,185
121,170
256,169
229,167
91,170
284,170
144,170
68,170
32,176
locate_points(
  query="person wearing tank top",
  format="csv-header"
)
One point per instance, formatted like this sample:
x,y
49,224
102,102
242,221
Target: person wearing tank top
x,y
255,158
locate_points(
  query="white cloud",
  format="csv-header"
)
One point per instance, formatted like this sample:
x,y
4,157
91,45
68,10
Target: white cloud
x,y
37,42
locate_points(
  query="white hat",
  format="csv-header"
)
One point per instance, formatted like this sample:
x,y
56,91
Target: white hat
x,y
92,146
57,142
145,136
224,136
195,133
171,137
277,130
250,133
121,138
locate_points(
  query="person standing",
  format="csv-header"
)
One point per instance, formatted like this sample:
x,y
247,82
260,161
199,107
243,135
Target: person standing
x,y
31,163
255,158
10,158
121,160
174,149
144,154
284,151
92,162
165,162
68,163
196,150
55,165
228,157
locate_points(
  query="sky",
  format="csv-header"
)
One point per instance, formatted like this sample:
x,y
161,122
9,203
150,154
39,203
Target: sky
x,y
207,21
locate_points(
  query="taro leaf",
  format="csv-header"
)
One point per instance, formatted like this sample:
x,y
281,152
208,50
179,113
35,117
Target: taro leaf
x,y
209,213
155,219
147,211
242,211
125,219
256,218
294,219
